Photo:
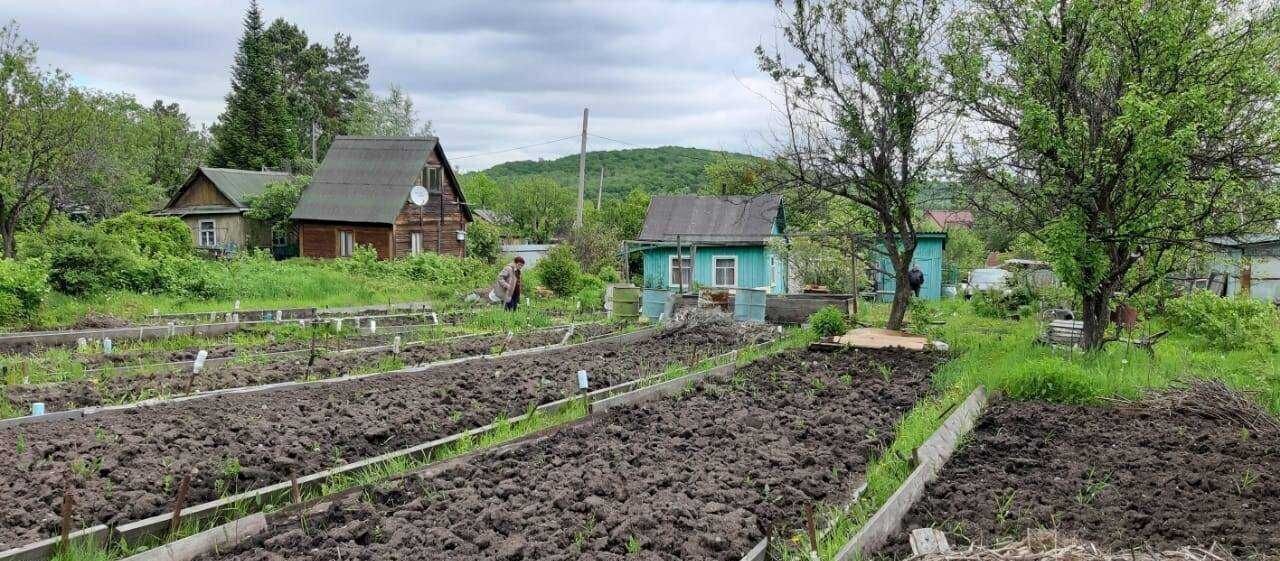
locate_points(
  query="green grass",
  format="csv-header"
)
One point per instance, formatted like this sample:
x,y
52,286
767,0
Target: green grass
x,y
1002,355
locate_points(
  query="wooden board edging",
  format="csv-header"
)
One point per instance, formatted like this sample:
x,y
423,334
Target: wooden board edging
x,y
213,539
934,452
47,548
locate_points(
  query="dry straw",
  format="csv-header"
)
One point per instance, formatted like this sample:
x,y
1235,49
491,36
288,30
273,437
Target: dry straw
x,y
1049,546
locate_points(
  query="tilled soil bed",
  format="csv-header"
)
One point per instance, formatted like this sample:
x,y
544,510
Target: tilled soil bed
x,y
123,466
134,386
700,476
1122,477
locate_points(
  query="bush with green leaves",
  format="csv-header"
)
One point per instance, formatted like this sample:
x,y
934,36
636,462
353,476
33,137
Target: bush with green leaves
x,y
484,241
1225,323
559,271
828,322
23,287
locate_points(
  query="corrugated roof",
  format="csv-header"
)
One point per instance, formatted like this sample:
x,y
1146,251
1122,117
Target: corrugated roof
x,y
241,185
236,184
367,179
711,219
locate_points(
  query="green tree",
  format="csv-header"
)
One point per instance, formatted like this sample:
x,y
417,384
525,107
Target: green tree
x,y
480,190
175,148
484,241
256,130
1120,134
964,249
539,208
865,112
393,115
45,124
625,216
276,204
321,84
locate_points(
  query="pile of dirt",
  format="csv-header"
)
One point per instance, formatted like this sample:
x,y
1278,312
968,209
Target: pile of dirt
x,y
122,466
700,476
1146,475
128,386
1044,545
93,320
693,321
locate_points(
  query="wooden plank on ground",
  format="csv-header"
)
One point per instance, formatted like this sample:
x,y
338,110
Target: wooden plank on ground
x,y
876,338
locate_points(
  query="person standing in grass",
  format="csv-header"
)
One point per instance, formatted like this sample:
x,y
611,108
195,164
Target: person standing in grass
x,y
507,288
915,278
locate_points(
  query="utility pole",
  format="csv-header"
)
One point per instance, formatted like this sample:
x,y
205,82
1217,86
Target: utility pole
x,y
582,170
600,189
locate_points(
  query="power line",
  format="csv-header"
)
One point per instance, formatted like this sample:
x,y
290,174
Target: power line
x,y
516,148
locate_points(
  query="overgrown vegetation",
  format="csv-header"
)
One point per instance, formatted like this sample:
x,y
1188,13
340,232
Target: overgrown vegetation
x,y
828,322
1225,323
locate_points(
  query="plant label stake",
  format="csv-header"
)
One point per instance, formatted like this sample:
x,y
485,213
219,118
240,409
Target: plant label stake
x,y
173,330
811,529
279,316
106,346
178,503
373,327
236,306
67,504
337,325
583,383
37,409
434,319
196,367
235,318
311,356
395,346
82,344
297,492
155,311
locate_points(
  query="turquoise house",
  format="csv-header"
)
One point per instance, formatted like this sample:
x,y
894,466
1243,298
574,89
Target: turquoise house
x,y
712,242
928,257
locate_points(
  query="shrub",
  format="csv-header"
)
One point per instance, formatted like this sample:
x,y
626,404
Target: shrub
x,y
559,271
484,241
1225,323
1049,379
84,261
148,235
828,322
23,287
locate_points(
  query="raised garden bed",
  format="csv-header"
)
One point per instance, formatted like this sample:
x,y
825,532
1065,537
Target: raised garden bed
x,y
1153,475
701,476
128,386
124,466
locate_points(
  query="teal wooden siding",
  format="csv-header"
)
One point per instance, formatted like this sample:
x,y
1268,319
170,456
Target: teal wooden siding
x,y
753,266
928,257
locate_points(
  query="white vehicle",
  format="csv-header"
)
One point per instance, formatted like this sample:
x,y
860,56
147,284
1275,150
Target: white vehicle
x,y
985,279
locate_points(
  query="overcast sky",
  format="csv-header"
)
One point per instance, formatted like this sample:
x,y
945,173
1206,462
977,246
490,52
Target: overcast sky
x,y
490,75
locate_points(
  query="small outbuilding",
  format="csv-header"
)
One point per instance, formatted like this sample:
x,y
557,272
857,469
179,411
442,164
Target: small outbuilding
x,y
1249,264
212,202
360,196
718,242
928,256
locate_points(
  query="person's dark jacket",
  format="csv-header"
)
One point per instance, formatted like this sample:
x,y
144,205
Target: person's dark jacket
x,y
915,278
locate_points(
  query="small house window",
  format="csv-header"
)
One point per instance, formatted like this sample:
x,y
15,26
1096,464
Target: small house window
x,y
726,271
346,244
681,271
415,242
208,235
432,179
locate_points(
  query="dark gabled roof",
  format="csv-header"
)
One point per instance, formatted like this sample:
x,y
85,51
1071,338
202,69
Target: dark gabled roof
x,y
367,179
1244,240
238,185
711,219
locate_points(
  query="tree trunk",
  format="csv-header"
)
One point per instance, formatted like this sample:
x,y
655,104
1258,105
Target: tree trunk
x,y
10,246
901,292
1096,318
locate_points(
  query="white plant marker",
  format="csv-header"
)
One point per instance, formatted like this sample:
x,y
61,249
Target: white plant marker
x,y
582,380
235,318
82,343
435,320
173,330
337,326
236,306
37,408
106,346
395,346
198,365
155,311
373,327
279,316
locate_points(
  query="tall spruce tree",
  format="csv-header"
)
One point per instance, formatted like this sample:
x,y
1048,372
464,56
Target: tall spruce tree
x,y
256,128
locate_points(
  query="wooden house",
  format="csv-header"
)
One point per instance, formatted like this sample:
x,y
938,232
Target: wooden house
x,y
360,196
718,242
213,201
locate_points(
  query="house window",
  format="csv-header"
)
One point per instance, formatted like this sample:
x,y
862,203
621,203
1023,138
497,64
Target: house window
x,y
208,235
681,271
726,269
415,242
346,244
431,179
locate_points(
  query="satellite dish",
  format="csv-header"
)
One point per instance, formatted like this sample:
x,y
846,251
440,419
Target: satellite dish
x,y
419,195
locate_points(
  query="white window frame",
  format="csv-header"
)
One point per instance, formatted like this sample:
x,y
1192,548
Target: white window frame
x,y
415,243
346,243
212,231
715,271
671,278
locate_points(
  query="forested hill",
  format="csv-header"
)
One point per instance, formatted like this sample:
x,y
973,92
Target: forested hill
x,y
669,169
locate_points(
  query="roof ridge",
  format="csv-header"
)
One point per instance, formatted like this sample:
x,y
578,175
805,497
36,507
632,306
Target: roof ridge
x,y
244,170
